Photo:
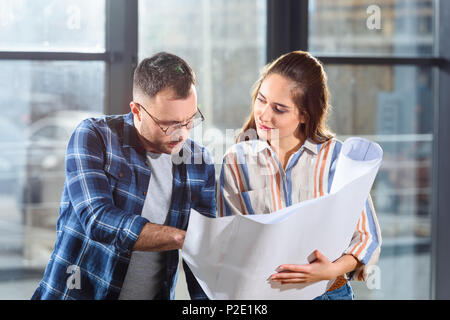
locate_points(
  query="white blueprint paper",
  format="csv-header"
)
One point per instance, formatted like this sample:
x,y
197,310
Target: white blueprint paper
x,y
232,257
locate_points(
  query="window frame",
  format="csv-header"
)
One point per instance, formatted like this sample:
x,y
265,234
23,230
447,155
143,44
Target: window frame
x,y
440,255
120,54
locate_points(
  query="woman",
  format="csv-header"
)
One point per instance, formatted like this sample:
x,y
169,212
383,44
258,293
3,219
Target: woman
x,y
286,154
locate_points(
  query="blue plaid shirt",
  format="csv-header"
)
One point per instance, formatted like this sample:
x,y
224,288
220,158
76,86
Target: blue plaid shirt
x,y
99,222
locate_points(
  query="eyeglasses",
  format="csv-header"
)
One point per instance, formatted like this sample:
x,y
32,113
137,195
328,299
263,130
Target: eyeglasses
x,y
194,121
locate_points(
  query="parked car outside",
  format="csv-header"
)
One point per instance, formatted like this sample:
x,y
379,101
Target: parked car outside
x,y
44,170
12,157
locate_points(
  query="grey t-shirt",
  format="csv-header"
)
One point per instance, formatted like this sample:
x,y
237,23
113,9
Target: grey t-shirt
x,y
146,270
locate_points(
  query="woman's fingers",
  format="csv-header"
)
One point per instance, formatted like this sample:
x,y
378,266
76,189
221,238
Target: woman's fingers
x,y
293,281
287,275
294,268
317,270
292,273
300,279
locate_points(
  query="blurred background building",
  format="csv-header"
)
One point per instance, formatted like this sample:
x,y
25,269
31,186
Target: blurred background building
x,y
65,60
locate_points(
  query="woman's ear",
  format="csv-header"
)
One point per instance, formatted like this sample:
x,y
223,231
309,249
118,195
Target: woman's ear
x,y
303,120
303,117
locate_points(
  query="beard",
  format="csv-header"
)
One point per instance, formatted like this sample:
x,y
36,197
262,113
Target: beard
x,y
166,144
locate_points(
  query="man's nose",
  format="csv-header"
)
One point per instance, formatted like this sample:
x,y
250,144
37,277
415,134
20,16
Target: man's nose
x,y
180,134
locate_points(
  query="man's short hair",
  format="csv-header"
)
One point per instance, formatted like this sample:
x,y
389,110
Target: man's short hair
x,y
162,71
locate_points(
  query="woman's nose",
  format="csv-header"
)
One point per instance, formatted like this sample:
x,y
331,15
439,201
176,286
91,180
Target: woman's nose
x,y
265,113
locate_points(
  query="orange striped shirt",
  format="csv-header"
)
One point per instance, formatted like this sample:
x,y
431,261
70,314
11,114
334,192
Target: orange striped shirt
x,y
253,181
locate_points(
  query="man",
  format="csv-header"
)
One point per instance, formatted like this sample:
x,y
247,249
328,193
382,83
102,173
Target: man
x,y
131,181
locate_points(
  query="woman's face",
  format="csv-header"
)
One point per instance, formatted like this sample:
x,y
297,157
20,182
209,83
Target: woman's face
x,y
275,112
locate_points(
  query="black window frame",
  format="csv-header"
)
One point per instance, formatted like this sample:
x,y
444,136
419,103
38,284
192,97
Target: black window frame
x,y
120,56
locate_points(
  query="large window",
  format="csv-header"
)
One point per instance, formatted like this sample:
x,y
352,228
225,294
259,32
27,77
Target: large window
x,y
224,42
366,27
52,25
43,96
392,103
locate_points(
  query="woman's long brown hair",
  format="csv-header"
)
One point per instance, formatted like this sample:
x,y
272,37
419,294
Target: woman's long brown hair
x,y
309,93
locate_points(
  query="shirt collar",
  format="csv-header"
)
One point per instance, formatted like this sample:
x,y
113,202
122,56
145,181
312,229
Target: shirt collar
x,y
308,144
129,136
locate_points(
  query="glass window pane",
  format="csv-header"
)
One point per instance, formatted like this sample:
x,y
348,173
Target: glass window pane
x,y
41,104
223,41
225,44
52,25
392,28
393,105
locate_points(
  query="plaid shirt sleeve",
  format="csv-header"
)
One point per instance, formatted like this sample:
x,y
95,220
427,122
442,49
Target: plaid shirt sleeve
x,y
90,192
206,203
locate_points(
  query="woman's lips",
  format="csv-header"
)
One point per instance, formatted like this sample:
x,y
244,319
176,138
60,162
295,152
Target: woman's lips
x,y
263,127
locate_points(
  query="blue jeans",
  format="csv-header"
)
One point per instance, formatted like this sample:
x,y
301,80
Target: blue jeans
x,y
343,293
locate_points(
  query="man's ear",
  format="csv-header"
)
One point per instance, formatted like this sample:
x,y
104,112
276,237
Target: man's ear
x,y
136,110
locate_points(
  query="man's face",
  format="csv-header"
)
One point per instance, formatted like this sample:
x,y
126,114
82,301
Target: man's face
x,y
166,111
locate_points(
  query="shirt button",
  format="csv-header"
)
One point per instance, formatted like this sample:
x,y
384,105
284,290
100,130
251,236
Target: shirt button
x,y
144,193
120,174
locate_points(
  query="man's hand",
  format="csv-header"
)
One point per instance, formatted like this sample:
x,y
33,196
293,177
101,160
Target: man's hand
x,y
155,237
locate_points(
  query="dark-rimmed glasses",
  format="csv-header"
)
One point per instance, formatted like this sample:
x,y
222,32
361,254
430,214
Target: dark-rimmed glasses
x,y
194,121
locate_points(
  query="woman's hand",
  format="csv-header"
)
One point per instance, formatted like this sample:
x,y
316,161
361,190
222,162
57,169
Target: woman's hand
x,y
319,269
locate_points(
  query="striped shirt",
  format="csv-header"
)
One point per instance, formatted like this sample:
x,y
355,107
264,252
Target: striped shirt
x,y
253,181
